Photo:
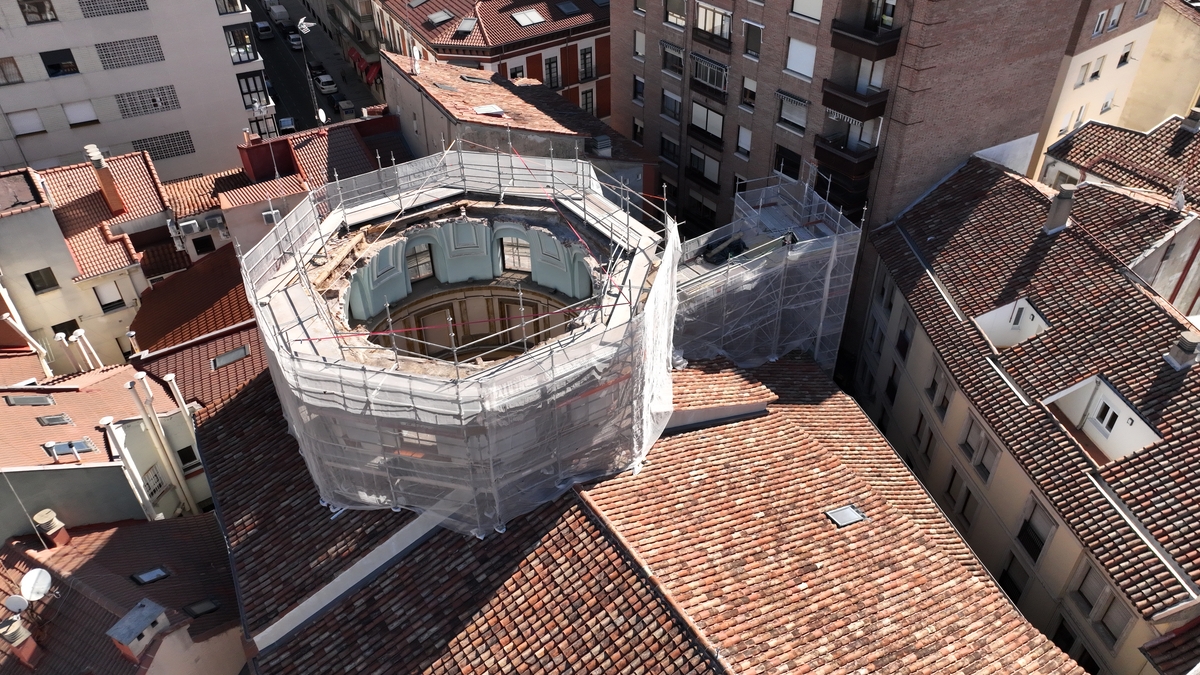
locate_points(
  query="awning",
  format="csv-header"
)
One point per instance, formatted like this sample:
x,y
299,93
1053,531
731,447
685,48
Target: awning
x,y
792,98
362,64
372,73
353,54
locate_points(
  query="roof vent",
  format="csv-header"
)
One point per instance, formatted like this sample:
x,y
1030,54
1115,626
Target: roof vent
x,y
490,109
845,515
137,628
14,632
1191,123
1060,210
603,145
1182,354
50,527
476,80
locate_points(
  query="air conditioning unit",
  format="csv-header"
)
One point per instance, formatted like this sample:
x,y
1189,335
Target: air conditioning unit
x,y
214,220
223,231
179,243
189,227
271,217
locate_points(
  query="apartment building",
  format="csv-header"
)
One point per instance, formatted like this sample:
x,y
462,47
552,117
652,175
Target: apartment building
x,y
563,44
1045,394
885,97
179,80
1168,81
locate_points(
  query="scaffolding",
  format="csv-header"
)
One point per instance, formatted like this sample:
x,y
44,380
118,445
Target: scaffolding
x,y
776,279
477,446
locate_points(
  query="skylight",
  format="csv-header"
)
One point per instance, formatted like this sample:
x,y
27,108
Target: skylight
x,y
601,3
68,448
29,400
54,420
447,87
476,80
464,29
440,17
528,17
201,608
490,109
569,8
416,3
845,515
150,576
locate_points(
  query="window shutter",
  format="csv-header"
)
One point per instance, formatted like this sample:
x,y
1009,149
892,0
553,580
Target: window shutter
x,y
108,293
743,138
25,122
1091,588
809,8
79,112
801,57
1116,618
602,55
1041,522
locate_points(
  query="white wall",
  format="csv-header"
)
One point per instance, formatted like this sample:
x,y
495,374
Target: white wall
x,y
1082,405
219,655
1004,328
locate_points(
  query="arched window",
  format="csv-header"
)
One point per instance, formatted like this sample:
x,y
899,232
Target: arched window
x,y
420,262
515,254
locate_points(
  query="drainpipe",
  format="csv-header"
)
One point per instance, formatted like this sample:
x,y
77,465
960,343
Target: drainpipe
x,y
159,441
172,456
33,344
177,394
88,344
74,340
129,469
62,337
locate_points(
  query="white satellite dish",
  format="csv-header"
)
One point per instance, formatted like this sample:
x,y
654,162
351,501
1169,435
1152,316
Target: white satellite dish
x,y
35,584
16,603
321,115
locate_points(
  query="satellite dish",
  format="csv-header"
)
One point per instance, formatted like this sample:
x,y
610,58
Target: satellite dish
x,y
321,115
35,584
16,603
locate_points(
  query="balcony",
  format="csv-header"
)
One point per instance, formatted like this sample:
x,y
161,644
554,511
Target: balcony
x,y
849,102
705,137
872,45
698,178
708,91
831,152
712,40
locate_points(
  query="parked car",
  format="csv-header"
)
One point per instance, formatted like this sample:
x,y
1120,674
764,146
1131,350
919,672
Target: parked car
x,y
325,84
316,68
287,125
295,41
335,99
264,30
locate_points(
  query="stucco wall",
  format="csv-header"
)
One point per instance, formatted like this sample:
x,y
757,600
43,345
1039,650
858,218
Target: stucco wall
x,y
79,494
1169,79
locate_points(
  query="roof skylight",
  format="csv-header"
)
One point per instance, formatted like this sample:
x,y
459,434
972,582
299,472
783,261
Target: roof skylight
x,y
440,17
38,399
845,515
416,3
528,17
67,448
569,8
465,27
476,80
54,420
601,3
490,109
201,608
150,576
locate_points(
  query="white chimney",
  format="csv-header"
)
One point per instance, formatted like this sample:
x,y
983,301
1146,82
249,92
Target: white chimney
x,y
1060,210
1182,354
1191,123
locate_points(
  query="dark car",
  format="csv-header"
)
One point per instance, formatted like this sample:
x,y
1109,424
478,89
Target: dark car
x,y
316,68
335,99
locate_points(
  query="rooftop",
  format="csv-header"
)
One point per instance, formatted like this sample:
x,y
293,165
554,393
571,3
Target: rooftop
x,y
1078,284
92,588
497,22
1156,160
19,192
1176,652
193,196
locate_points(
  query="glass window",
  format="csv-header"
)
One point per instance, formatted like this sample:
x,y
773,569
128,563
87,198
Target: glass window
x,y
420,262
809,8
793,115
516,254
552,72
639,131
80,113
1114,18
1091,588
230,357
743,142
801,57
516,72
639,88
673,59
905,336
753,38
668,148
1125,54
671,105
254,89
707,120
713,21
639,43
230,6
1100,19
188,457
881,14
676,12
639,6
1115,618
749,92
67,328
42,280
1143,7
788,162
587,66
109,297
1035,531
704,165
9,72
241,46
712,74
1096,68
59,62
37,11
587,101
204,245
1013,579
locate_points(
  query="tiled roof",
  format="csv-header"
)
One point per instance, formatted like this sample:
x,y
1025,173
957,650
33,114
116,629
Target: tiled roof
x,y
284,545
1101,323
336,148
100,393
192,196
163,257
85,219
716,383
192,365
731,520
527,105
1176,652
554,593
261,192
91,577
207,297
18,365
1156,160
496,25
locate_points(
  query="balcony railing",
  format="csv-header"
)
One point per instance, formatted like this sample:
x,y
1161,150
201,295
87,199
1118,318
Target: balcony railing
x,y
849,102
702,135
697,176
831,151
711,39
705,89
873,45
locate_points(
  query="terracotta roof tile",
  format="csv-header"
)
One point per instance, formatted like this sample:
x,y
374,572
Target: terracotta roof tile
x,y
1156,160
207,297
18,365
339,149
95,394
192,196
261,192
496,25
1079,284
84,216
163,258
716,383
1177,652
192,365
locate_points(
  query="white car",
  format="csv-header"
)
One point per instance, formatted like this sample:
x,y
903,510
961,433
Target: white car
x,y
296,41
325,84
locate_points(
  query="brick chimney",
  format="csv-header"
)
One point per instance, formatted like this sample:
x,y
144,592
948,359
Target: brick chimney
x,y
108,186
1191,123
1060,210
51,528
24,647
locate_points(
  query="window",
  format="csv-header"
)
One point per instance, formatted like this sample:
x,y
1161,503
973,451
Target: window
x,y
551,71
1125,54
231,356
1108,614
639,89
889,389
1099,27
167,145
753,33
639,44
80,113
147,101
516,255
801,57
132,52
1143,7
639,6
109,297
587,101
676,12
979,449
154,483
743,142
241,46
59,62
150,576
668,148
905,336
1035,531
9,72
1013,578
188,457
704,208
808,8
1114,18
709,73
587,66
749,92
923,438
42,280
230,6
516,72
1083,73
1080,116
1065,639
1106,417
874,336
1096,68
740,183
56,420
204,245
254,89
708,121
793,115
671,105
198,609
37,11
40,400
67,328
881,13
704,166
639,131
714,22
1108,102
263,126
787,162
672,58
419,260
962,502
1066,124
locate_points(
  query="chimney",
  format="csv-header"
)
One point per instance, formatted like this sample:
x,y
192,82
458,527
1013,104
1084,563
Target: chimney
x,y
108,187
23,646
1060,209
1191,123
1182,354
51,528
137,628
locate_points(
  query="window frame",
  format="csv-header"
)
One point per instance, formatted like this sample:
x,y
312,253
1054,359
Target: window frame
x,y
744,151
664,139
961,498
675,18
790,122
673,55
677,100
229,358
112,305
715,23
1006,579
62,69
748,29
1096,611
516,255
639,44
805,58
246,51
639,89
1126,55
1101,21
1028,530
705,163
29,276
1114,16
984,458
47,17
587,101
418,258
749,101
550,69
8,65
587,64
